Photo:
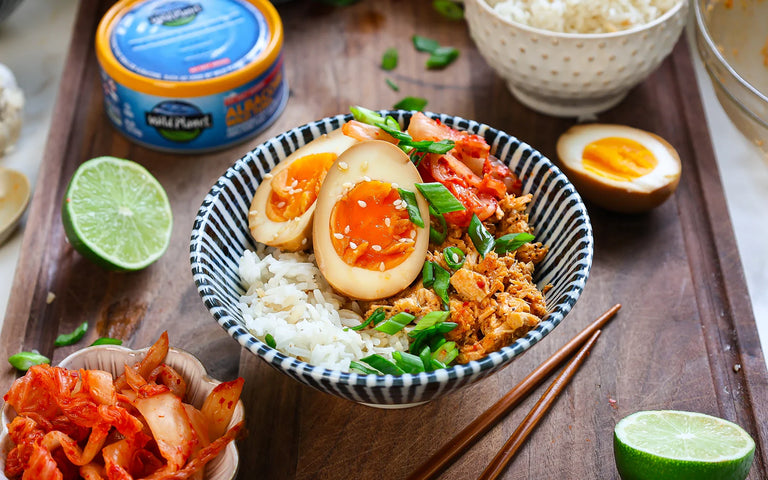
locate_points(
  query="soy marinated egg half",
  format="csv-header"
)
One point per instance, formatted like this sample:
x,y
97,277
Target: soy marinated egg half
x,y
365,244
619,168
283,205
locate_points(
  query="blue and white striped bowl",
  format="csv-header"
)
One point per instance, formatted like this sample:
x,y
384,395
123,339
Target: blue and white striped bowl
x,y
220,235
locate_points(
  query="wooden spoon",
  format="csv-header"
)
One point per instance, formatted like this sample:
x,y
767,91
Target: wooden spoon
x,y
14,197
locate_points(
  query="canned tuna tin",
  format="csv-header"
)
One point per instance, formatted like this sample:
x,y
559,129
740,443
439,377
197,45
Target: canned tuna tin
x,y
185,76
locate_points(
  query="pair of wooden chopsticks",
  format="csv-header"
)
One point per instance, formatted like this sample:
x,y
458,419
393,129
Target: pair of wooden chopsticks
x,y
451,450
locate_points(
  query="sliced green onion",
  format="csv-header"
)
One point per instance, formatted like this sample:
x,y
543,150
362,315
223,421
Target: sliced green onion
x,y
426,358
382,364
408,362
424,44
481,238
406,140
395,323
437,364
440,197
436,342
70,338
437,236
24,360
445,353
441,57
446,327
448,9
270,341
377,316
442,280
391,84
411,103
429,320
411,207
512,241
107,341
391,123
363,369
454,257
389,59
428,274
362,114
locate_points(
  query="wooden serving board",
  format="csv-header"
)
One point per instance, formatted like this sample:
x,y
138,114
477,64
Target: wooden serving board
x,y
685,338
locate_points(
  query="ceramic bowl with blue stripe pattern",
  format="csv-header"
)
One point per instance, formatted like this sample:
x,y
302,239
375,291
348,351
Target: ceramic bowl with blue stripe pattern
x,y
220,235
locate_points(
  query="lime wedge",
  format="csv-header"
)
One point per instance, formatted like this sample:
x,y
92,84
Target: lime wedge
x,y
117,214
674,445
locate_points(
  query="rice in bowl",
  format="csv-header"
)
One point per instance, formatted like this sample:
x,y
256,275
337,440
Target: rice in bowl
x,y
582,16
288,298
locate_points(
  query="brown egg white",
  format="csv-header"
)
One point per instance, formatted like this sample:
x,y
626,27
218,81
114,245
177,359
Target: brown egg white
x,y
619,168
282,208
365,244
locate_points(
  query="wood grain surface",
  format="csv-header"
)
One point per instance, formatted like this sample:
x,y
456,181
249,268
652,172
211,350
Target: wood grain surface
x,y
684,339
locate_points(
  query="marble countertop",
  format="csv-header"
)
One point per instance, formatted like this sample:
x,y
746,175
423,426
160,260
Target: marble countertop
x,y
34,42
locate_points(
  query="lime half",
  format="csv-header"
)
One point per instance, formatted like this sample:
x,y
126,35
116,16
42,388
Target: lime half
x,y
672,445
117,214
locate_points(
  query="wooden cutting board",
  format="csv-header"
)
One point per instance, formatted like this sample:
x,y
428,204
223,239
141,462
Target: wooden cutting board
x,y
685,338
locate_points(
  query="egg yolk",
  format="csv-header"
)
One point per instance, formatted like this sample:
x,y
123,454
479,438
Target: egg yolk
x,y
295,188
370,227
619,159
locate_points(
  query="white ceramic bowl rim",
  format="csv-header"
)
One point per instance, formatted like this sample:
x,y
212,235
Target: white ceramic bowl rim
x,y
715,51
583,36
293,366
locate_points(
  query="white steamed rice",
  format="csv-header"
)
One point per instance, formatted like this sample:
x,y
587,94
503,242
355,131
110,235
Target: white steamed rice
x,y
582,16
288,298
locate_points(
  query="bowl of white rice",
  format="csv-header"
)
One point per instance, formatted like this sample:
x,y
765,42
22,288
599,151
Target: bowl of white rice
x,y
278,305
574,58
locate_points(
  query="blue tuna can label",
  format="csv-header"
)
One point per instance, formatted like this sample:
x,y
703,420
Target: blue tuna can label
x,y
191,77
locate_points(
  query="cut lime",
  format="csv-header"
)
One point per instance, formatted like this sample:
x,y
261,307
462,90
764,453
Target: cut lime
x,y
117,214
672,445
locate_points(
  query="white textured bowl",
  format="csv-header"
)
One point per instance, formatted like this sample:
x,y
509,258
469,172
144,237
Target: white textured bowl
x,y
567,74
112,358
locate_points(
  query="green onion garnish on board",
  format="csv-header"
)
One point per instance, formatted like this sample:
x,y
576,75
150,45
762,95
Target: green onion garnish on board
x,y
374,318
440,197
391,84
363,369
437,236
24,360
442,280
428,274
512,241
395,323
382,364
107,341
389,59
424,44
454,257
411,103
442,57
70,338
411,207
449,9
481,238
408,362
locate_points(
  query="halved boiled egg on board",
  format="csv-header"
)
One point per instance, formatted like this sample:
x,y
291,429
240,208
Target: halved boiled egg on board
x,y
619,168
366,245
283,205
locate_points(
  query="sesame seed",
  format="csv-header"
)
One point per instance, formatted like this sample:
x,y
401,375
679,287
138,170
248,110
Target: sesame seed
x,y
353,245
376,248
364,166
362,204
366,178
267,176
346,229
347,185
382,267
281,205
343,166
294,183
338,235
413,233
387,221
455,257
303,241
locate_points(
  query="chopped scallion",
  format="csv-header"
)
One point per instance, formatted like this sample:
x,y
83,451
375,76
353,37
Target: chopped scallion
x,y
382,364
395,323
411,103
424,44
446,327
107,341
363,369
429,320
364,115
70,338
436,342
437,236
449,9
426,358
446,353
481,238
441,57
270,340
437,364
374,318
389,59
408,362
454,257
23,361
440,197
428,274
512,241
391,83
442,280
411,206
